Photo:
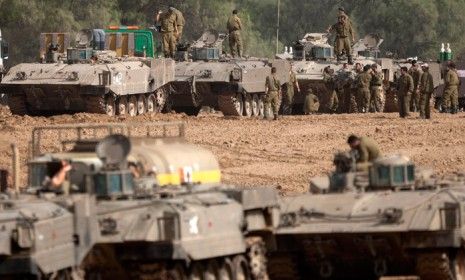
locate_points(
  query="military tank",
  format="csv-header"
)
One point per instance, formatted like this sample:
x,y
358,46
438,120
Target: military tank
x,y
109,72
206,77
395,220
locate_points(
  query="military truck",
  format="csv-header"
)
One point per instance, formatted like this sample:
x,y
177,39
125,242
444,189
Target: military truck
x,y
204,76
110,72
396,219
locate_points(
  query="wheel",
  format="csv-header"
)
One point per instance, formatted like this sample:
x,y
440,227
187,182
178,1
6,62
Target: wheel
x,y
151,103
239,104
110,106
178,272
247,106
256,254
17,104
161,100
241,268
141,104
440,266
261,107
459,266
212,271
226,271
132,106
255,109
122,105
196,272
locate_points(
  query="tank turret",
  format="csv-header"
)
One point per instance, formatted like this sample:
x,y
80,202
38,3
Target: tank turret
x,y
208,47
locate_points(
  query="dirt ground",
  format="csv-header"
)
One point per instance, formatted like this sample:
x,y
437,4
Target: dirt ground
x,y
284,154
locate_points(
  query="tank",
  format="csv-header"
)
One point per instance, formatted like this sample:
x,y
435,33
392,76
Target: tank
x,y
107,72
206,77
397,219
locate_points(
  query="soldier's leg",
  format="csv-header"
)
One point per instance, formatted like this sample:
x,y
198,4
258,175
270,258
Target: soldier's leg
x,y
338,48
454,101
367,100
428,105
166,44
179,36
423,104
400,104
232,44
335,106
446,101
172,45
289,101
407,104
348,51
239,44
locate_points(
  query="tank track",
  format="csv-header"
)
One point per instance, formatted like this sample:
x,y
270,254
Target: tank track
x,y
282,267
434,266
95,104
227,105
17,105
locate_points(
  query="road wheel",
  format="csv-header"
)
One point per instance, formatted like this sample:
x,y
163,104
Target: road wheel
x,y
226,270
248,106
255,106
196,272
178,272
141,104
241,268
212,271
132,106
122,105
151,103
110,109
261,106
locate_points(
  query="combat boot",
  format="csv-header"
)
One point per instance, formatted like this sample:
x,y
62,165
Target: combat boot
x,y
454,111
275,117
350,60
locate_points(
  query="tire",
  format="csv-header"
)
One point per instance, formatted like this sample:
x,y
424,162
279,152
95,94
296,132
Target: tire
x,y
122,106
255,105
212,271
226,271
247,106
110,108
196,271
177,272
261,106
141,104
132,106
241,268
151,105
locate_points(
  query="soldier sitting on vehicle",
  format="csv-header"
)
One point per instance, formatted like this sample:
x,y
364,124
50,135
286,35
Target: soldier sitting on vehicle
x,y
367,149
56,179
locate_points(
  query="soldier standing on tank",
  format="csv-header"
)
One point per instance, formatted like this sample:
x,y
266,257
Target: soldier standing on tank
x,y
328,79
376,87
169,31
180,22
363,89
450,101
343,29
405,88
234,27
415,72
272,90
290,91
426,87
366,150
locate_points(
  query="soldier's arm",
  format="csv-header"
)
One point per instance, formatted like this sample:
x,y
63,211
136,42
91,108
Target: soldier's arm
x,y
297,85
157,17
351,31
411,85
330,28
239,23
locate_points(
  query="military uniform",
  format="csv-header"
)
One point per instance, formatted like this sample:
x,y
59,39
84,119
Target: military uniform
x,y
180,22
351,93
451,94
311,103
426,89
333,101
404,92
342,43
290,92
272,99
376,87
415,100
363,91
234,27
168,28
368,151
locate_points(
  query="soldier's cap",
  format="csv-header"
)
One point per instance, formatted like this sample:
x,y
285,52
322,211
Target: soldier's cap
x,y
414,62
425,65
342,9
171,7
451,64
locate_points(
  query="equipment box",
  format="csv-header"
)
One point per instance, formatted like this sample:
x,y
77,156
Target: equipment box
x,y
207,54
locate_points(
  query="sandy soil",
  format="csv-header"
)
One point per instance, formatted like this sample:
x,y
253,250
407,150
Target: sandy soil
x,y
282,154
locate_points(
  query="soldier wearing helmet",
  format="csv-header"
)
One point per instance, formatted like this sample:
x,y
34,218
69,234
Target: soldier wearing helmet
x,y
376,88
426,87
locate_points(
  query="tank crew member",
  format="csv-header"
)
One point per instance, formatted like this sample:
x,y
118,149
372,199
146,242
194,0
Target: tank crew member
x,y
450,96
376,87
272,92
365,149
234,27
343,29
293,83
180,22
363,89
311,103
426,90
415,72
56,180
169,30
329,80
404,92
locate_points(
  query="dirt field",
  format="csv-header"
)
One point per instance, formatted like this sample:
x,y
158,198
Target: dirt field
x,y
282,154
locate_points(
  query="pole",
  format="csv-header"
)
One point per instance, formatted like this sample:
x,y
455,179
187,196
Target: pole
x,y
277,29
16,167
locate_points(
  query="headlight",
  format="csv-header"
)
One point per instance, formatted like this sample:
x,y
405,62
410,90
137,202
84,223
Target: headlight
x,y
236,74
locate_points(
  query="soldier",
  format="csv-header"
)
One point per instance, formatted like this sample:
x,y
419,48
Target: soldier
x,y
56,179
426,87
272,92
180,22
376,87
450,96
311,103
366,149
404,92
328,79
169,31
343,29
415,72
290,91
363,89
343,81
234,27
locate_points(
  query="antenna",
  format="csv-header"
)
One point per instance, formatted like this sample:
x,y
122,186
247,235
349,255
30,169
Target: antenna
x,y
277,28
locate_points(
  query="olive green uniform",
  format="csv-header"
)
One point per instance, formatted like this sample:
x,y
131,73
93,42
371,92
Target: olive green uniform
x,y
234,27
180,22
311,103
168,28
376,88
426,89
450,97
368,151
290,92
333,101
342,43
404,92
272,99
363,91
415,100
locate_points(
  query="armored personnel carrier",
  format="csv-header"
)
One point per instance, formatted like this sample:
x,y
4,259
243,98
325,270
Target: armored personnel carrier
x,y
396,219
206,77
108,72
